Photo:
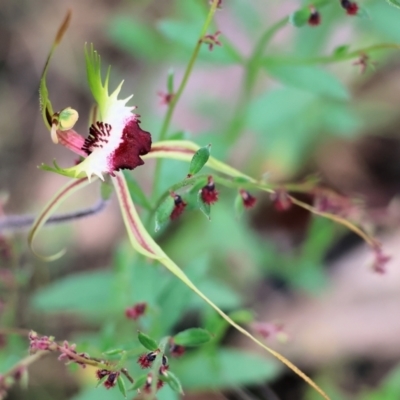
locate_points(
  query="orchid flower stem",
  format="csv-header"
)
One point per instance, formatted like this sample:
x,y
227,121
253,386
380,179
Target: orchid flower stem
x,y
20,222
178,94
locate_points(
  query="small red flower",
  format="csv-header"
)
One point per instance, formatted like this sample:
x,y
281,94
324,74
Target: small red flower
x,y
315,17
101,373
248,200
111,380
212,40
147,385
176,350
380,260
281,200
136,311
179,206
208,193
351,7
165,98
219,5
364,62
160,384
146,360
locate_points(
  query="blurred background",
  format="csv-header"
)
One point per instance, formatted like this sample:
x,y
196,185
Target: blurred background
x,y
303,276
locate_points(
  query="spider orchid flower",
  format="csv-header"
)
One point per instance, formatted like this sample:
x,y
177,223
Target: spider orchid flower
x,y
117,142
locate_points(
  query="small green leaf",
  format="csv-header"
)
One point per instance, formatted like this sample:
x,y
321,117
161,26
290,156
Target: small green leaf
x,y
300,18
121,385
204,207
147,341
101,381
242,316
199,159
163,212
113,352
139,383
192,337
239,206
341,50
170,81
394,3
173,382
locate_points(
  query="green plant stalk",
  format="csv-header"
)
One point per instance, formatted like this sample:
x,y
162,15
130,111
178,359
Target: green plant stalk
x,y
181,88
335,58
157,365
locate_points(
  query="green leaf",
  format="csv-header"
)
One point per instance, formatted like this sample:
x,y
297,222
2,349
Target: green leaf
x,y
173,382
82,293
147,341
199,159
225,368
238,206
163,212
192,337
113,352
121,385
101,381
308,78
137,38
139,382
394,3
300,18
204,207
136,192
341,50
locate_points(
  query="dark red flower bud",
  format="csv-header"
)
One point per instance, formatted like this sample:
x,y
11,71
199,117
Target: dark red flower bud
x,y
315,17
136,311
248,200
281,200
212,40
101,373
351,7
380,260
111,380
147,385
208,193
179,206
219,4
145,360
160,384
176,350
165,98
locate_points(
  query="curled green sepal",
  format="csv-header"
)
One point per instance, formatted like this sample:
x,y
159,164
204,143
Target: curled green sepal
x,y
45,104
69,172
143,243
66,191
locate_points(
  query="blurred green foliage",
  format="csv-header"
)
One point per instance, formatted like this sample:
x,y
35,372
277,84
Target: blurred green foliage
x,y
294,103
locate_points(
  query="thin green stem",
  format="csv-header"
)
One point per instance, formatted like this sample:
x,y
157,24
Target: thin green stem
x,y
334,57
181,88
